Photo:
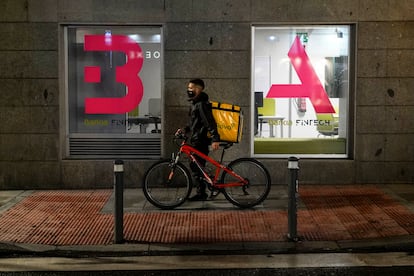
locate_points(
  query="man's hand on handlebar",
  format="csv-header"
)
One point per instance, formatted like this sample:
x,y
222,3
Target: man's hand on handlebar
x,y
179,133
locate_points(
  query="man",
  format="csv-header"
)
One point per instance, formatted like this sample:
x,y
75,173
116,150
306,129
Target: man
x,y
203,130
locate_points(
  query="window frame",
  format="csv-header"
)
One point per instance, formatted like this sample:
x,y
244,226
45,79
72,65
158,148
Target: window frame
x,y
350,105
138,145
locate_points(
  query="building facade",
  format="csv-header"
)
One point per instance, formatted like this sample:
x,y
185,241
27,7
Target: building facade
x,y
48,139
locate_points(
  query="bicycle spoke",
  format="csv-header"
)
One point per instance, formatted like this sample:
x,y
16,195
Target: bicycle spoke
x,y
167,187
257,188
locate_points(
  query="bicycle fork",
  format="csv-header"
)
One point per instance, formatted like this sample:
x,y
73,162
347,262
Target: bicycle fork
x,y
174,161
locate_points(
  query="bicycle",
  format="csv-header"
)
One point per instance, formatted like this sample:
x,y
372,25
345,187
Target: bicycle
x,y
244,182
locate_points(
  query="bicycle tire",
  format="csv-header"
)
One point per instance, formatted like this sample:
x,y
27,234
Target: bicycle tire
x,y
259,183
163,193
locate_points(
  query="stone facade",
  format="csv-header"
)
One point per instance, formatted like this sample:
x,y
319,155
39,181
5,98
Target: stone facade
x,y
217,35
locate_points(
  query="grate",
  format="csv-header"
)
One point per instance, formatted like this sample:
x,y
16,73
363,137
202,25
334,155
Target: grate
x,y
120,147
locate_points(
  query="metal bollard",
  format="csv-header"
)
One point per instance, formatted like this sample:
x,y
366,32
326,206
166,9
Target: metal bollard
x,y
119,201
293,166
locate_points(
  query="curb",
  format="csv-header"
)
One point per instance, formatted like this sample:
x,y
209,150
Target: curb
x,y
397,244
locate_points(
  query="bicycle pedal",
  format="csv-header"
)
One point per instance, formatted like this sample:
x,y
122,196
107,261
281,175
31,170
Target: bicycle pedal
x,y
214,194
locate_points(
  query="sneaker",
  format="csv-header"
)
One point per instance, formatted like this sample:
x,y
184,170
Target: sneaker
x,y
198,197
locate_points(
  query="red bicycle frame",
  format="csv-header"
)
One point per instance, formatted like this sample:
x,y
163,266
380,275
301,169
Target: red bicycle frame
x,y
191,152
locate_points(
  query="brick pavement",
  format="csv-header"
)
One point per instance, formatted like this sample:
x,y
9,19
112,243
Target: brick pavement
x,y
325,213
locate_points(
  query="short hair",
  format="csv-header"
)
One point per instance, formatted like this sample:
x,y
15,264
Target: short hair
x,y
198,82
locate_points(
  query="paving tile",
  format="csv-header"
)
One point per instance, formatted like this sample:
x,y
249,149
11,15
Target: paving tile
x,y
325,213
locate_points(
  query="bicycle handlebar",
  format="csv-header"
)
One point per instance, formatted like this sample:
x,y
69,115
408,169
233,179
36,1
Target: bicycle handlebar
x,y
180,135
226,145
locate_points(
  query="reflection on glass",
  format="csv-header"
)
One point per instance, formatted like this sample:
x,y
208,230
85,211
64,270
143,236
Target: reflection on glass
x,y
290,125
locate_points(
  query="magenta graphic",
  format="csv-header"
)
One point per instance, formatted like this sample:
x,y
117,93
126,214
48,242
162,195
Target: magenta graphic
x,y
311,86
126,74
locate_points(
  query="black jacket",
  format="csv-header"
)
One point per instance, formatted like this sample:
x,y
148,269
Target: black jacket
x,y
203,127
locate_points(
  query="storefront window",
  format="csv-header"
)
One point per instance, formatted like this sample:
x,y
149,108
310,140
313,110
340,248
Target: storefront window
x,y
300,90
113,91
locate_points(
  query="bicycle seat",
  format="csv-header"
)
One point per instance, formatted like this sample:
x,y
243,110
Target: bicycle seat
x,y
226,145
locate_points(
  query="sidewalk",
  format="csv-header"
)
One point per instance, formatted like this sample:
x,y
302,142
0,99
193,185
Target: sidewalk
x,y
341,218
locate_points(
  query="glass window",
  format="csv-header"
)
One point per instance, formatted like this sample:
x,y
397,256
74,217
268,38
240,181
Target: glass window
x,y
114,80
300,90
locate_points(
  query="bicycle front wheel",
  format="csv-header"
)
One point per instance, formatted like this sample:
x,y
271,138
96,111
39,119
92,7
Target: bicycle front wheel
x,y
258,186
167,185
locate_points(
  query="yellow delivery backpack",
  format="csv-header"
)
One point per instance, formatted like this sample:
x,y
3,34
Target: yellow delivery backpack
x,y
229,120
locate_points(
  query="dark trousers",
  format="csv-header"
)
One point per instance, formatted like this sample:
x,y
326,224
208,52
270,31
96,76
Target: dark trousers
x,y
196,171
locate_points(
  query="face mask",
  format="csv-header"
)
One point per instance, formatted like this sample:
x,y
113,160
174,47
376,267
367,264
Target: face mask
x,y
190,94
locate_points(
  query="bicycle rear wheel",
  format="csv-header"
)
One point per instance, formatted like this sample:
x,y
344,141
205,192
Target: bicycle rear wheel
x,y
258,186
167,185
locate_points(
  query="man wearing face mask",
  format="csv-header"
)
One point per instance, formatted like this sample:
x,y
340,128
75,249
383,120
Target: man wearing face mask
x,y
202,123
